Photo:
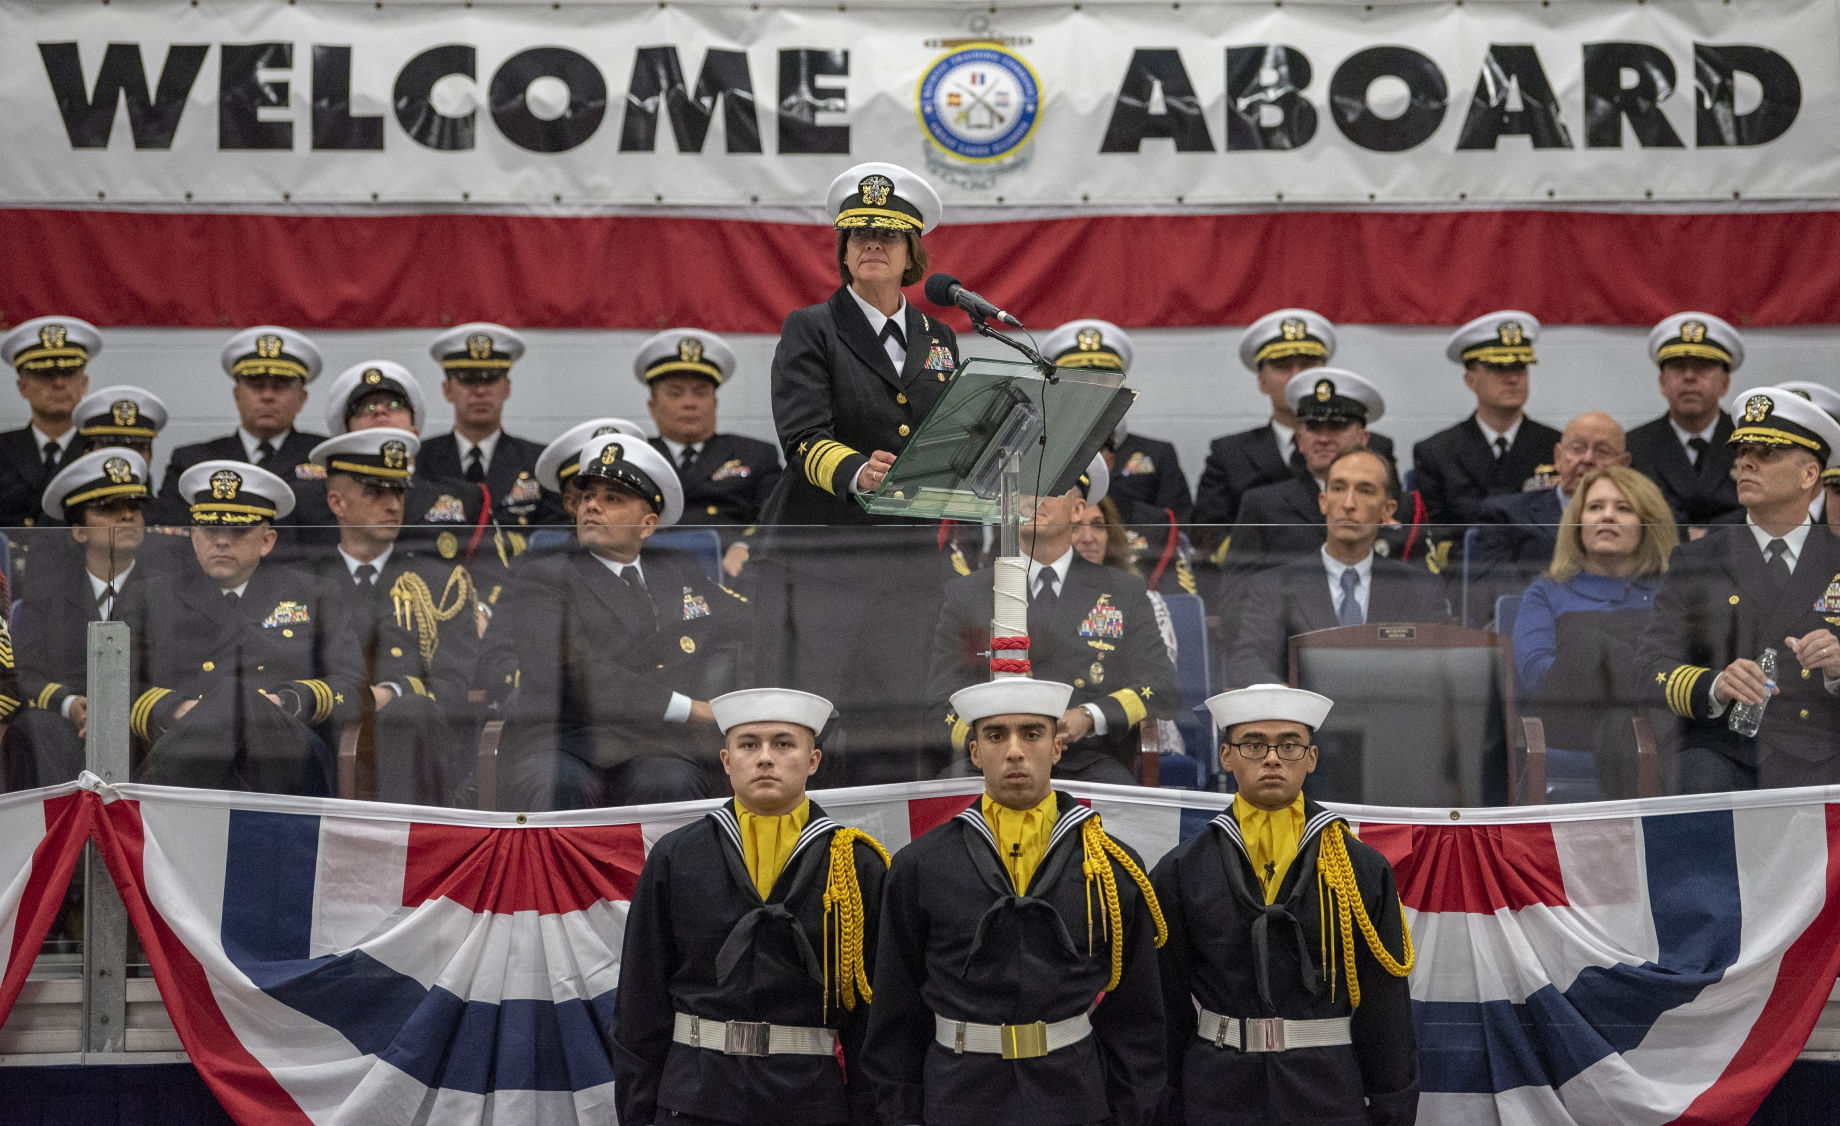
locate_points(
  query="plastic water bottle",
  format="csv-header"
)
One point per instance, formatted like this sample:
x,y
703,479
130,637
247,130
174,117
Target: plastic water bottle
x,y
1747,718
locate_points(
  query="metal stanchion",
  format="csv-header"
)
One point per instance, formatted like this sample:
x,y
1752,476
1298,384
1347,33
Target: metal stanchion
x,y
105,920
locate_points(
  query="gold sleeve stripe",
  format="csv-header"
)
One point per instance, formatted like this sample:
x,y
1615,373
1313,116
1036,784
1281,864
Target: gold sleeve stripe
x,y
142,712
812,454
1680,687
322,699
8,706
1133,705
420,689
822,460
43,703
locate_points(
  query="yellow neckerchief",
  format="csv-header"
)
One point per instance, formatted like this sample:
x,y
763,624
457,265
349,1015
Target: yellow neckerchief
x,y
1271,840
1022,836
766,842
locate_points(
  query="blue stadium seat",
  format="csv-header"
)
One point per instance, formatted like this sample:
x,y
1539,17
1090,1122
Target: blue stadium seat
x,y
1469,549
6,561
549,537
1507,608
1194,681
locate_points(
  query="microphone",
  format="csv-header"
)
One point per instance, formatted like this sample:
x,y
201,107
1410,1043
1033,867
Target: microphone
x,y
943,290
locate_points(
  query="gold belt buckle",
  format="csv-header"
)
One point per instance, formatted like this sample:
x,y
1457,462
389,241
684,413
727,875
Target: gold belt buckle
x,y
1025,1041
746,1038
1261,1034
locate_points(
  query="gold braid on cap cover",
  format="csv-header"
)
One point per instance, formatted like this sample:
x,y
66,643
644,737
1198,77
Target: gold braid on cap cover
x,y
843,896
1337,893
416,610
1101,851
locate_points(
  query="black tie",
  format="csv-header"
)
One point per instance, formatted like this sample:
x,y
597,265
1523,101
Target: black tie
x,y
1041,607
366,575
264,451
1699,446
1501,446
52,450
231,598
631,576
105,602
475,466
892,331
685,459
1778,565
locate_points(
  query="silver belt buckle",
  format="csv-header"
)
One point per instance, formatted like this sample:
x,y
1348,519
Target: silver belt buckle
x,y
746,1038
1260,1034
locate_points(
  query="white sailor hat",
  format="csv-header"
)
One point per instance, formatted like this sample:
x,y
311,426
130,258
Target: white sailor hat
x,y
561,459
771,705
234,493
1820,394
479,350
1096,481
1334,395
883,195
1089,343
1696,334
1778,416
1287,332
1269,701
1011,695
50,345
120,411
684,351
380,455
633,462
1505,336
103,474
271,350
367,378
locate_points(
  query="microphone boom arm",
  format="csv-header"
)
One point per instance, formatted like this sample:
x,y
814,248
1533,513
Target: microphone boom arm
x,y
1042,364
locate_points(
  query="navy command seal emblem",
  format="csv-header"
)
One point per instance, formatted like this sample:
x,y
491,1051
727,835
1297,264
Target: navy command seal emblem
x,y
979,106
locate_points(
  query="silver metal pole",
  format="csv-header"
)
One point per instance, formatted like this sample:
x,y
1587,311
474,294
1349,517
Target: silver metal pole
x,y
105,920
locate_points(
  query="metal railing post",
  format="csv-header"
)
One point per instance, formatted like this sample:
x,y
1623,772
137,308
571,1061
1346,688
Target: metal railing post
x,y
105,920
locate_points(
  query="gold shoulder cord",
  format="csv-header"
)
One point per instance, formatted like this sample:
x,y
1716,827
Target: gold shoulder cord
x,y
843,897
416,610
1337,893
1101,851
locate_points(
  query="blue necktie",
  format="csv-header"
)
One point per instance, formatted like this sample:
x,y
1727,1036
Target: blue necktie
x,y
1349,612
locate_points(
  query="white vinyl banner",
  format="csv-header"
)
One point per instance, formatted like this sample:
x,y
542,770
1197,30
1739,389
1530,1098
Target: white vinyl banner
x,y
744,107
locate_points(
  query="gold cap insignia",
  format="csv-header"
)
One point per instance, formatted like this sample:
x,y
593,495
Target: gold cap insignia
x,y
1510,334
125,412
268,346
52,336
479,346
373,376
395,453
1089,339
1325,390
118,470
876,190
1758,407
610,453
1692,332
225,484
690,350
1293,328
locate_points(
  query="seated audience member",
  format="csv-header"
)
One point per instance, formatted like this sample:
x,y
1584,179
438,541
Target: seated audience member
x,y
476,362
1770,582
1345,583
239,666
413,615
1570,666
1687,451
1831,480
1517,542
1144,470
1089,625
120,417
101,496
51,356
618,649
1098,537
1828,400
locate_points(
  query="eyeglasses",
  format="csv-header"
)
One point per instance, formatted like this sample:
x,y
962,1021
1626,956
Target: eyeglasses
x,y
379,406
269,382
1601,451
1289,752
874,234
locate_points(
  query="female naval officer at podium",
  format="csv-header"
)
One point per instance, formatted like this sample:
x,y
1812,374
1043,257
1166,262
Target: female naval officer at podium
x,y
845,604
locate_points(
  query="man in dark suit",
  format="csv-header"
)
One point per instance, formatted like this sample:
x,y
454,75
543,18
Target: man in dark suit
x,y
476,360
726,477
1688,451
618,652
49,354
271,367
1497,449
240,667
1772,582
414,617
1523,528
1344,584
1089,625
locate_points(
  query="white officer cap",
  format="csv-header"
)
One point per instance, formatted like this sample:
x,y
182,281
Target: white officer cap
x,y
684,351
120,411
1287,332
561,459
1778,416
50,345
271,350
1269,701
1096,481
98,475
771,705
364,378
1011,695
1334,395
380,455
1819,394
883,195
635,464
477,350
1089,343
234,493
1505,336
1696,334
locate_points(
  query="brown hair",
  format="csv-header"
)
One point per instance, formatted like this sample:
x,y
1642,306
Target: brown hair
x,y
1659,533
1117,544
916,257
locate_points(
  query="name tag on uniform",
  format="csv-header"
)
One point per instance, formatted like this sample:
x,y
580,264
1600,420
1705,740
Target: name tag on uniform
x,y
289,613
732,469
